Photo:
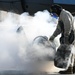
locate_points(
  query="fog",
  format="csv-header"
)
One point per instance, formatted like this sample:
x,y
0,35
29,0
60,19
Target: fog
x,y
17,50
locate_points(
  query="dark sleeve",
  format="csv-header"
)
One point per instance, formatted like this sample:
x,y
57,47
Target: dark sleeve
x,y
58,29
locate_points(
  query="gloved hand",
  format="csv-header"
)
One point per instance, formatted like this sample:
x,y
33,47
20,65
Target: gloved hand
x,y
51,38
66,41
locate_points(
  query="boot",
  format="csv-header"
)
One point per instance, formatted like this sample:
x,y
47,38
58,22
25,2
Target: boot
x,y
73,69
74,65
68,71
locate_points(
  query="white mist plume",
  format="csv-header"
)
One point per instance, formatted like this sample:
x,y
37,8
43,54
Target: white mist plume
x,y
17,33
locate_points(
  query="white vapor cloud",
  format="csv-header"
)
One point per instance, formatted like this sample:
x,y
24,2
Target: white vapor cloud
x,y
17,51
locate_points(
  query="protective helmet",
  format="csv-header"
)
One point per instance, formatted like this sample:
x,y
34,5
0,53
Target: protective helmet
x,y
56,9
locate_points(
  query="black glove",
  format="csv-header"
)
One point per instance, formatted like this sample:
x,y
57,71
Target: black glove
x,y
51,38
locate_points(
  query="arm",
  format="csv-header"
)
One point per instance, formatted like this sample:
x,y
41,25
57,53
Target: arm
x,y
56,32
67,28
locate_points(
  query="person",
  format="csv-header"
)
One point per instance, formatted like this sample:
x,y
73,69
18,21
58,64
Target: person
x,y
65,27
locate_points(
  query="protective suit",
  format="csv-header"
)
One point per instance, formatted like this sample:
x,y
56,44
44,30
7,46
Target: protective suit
x,y
66,28
66,20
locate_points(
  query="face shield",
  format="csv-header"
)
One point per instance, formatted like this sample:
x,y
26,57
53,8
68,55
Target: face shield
x,y
53,14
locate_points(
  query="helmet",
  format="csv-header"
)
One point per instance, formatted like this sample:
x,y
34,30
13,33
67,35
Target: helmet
x,y
56,9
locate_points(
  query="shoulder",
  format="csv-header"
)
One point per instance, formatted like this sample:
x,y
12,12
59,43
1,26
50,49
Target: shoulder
x,y
66,13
